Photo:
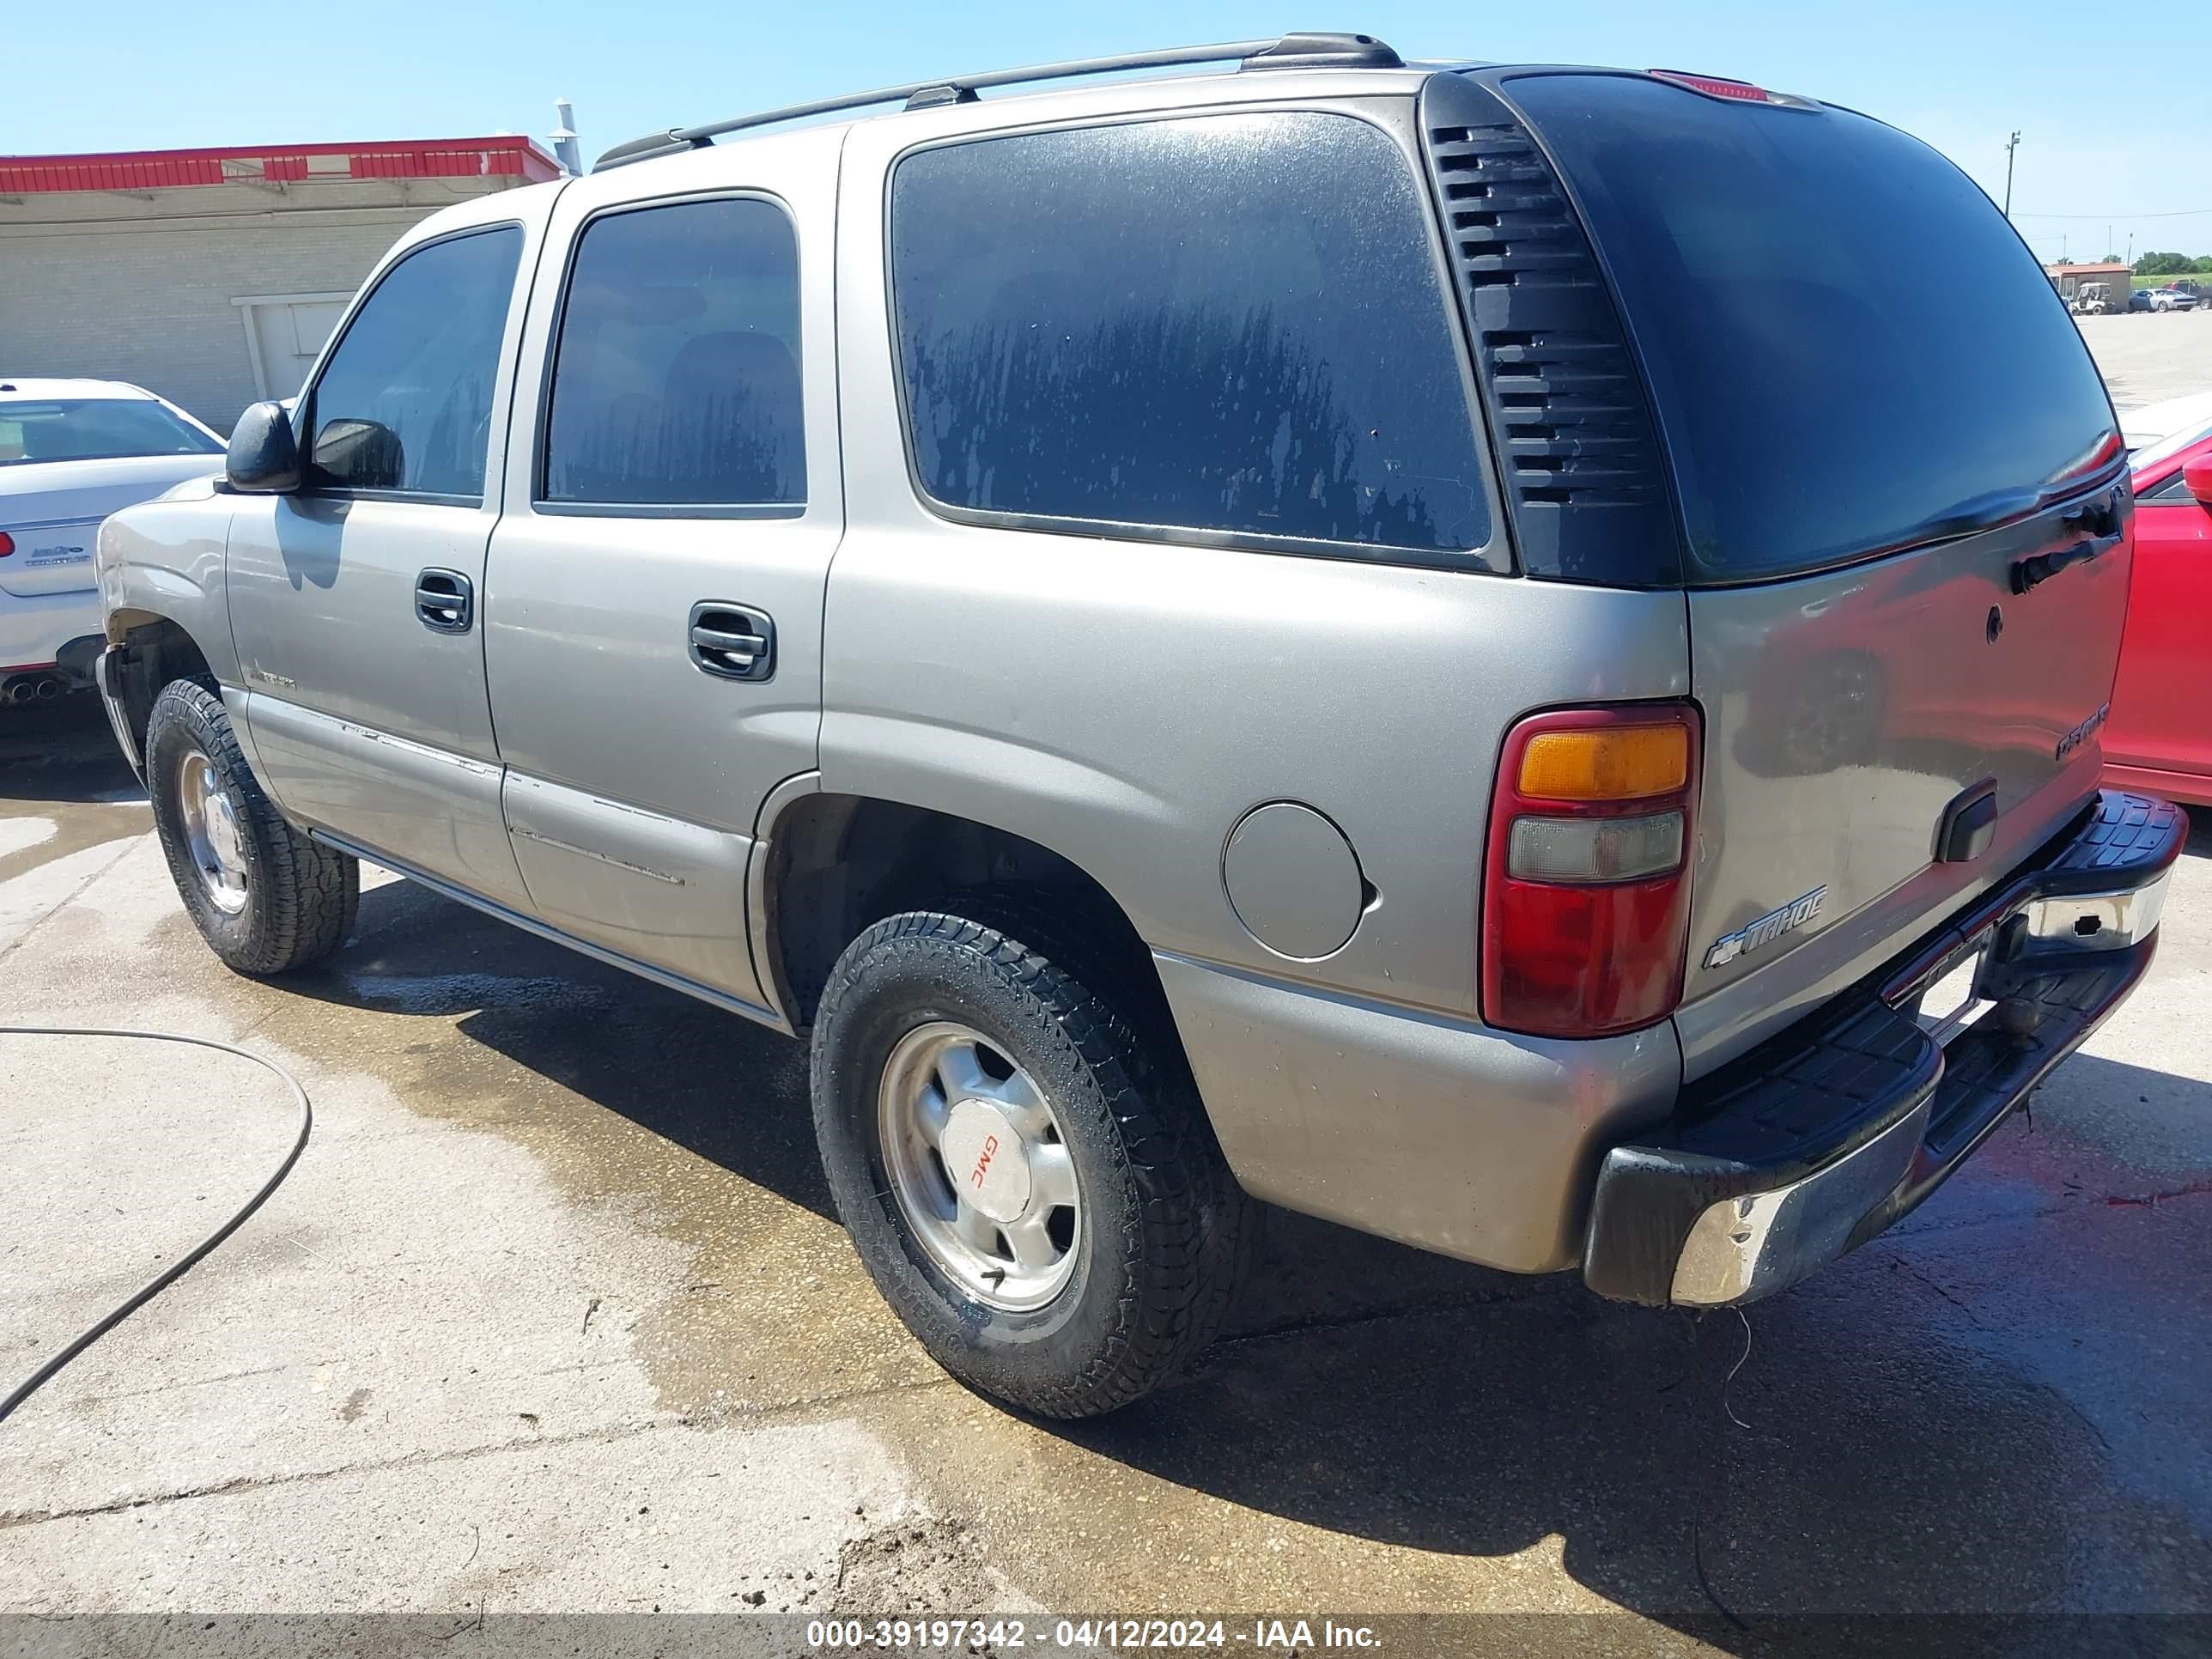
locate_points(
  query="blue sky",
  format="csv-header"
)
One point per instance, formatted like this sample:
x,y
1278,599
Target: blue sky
x,y
2112,113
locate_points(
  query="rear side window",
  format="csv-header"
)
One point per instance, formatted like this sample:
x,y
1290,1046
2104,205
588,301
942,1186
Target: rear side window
x,y
95,430
404,403
675,377
1848,349
1225,324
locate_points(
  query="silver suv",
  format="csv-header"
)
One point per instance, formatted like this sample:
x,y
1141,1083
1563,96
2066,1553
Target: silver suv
x,y
1443,648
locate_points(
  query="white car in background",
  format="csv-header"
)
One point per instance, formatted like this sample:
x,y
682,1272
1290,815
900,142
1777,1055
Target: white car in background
x,y
71,452
2155,423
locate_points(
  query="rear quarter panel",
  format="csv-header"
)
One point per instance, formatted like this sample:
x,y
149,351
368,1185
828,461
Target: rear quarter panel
x,y
1125,702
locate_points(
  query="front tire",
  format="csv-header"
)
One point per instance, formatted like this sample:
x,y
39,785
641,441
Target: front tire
x,y
265,897
1021,1158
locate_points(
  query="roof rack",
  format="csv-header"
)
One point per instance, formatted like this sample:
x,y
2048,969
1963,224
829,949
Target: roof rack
x,y
1288,51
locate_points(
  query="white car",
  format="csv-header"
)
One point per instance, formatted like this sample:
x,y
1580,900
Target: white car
x,y
2153,423
71,452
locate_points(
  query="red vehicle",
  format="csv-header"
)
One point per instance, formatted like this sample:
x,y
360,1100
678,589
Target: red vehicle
x,y
2159,735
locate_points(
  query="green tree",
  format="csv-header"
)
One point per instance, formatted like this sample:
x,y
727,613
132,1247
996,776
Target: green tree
x,y
2202,264
2163,264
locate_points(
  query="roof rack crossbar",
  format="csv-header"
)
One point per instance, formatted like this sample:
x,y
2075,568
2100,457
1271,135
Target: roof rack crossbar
x,y
1288,51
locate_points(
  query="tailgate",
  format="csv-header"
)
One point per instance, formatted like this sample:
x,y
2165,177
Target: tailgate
x,y
1851,717
1904,516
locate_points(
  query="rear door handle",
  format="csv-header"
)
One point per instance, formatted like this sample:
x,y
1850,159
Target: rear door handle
x,y
445,601
732,641
2031,573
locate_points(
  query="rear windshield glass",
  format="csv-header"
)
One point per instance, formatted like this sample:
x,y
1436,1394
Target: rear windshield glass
x,y
95,430
1848,349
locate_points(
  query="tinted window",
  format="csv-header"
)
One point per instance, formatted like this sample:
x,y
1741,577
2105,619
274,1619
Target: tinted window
x,y
1231,322
676,375
2175,489
96,430
1849,348
406,402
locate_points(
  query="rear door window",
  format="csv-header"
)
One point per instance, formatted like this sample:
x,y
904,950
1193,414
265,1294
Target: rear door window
x,y
1849,350
1231,326
404,403
676,379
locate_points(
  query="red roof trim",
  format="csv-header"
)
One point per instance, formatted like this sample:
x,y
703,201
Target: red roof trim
x,y
509,157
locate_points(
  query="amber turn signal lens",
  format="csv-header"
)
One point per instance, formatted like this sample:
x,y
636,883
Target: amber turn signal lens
x,y
1616,762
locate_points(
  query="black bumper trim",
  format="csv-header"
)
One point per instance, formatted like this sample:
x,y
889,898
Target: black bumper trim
x,y
1795,1107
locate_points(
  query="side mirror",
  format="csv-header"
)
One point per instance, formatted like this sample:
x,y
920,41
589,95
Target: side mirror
x,y
264,456
2197,478
361,454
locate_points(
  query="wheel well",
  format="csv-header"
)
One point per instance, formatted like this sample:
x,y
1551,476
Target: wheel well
x,y
838,863
153,652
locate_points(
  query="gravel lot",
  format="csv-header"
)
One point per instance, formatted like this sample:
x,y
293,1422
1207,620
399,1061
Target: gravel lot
x,y
553,1317
2147,357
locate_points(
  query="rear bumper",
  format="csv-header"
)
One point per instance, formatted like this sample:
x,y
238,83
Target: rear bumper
x,y
34,628
1816,1141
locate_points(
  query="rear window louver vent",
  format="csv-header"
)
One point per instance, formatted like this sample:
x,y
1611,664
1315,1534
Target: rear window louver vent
x,y
1576,448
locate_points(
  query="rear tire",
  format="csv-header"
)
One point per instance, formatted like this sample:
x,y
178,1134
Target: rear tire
x,y
1124,1283
265,897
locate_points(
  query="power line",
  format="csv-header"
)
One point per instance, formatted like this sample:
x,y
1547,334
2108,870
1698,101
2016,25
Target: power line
x,y
2178,213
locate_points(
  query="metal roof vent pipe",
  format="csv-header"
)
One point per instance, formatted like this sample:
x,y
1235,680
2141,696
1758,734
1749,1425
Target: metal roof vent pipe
x,y
563,139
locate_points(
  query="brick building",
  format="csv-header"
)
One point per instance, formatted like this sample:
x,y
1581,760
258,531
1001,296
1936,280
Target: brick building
x,y
212,277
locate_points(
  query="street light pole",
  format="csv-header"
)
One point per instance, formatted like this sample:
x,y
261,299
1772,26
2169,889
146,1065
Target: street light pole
x,y
2011,144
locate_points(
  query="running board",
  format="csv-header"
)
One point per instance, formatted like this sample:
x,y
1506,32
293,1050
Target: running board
x,y
661,976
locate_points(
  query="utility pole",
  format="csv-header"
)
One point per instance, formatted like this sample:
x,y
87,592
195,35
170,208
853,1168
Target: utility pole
x,y
2011,144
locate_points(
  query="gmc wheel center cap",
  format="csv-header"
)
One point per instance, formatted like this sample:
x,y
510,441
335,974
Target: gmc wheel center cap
x,y
984,1155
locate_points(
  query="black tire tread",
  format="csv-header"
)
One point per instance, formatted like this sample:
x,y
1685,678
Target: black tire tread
x,y
1180,1262
305,896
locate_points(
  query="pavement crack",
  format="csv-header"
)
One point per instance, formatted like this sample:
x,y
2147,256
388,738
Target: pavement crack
x,y
2191,1189
797,1411
129,846
13,1518
1924,1277
1549,1286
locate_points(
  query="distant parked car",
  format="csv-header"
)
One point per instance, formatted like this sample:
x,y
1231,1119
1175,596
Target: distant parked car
x,y
2172,299
2139,300
2157,738
71,452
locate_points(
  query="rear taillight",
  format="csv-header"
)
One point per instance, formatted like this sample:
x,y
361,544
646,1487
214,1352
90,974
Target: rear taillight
x,y
7,543
1586,893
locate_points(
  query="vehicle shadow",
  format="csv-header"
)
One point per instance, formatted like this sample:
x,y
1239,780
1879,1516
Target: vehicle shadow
x,y
1879,1450
62,753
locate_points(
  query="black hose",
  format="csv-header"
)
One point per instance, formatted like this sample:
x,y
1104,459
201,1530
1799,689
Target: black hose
x,y
184,1263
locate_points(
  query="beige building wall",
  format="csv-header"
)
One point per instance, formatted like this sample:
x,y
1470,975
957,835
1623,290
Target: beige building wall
x,y
144,286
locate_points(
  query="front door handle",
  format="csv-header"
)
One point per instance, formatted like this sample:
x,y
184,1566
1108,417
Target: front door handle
x,y
445,601
732,641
